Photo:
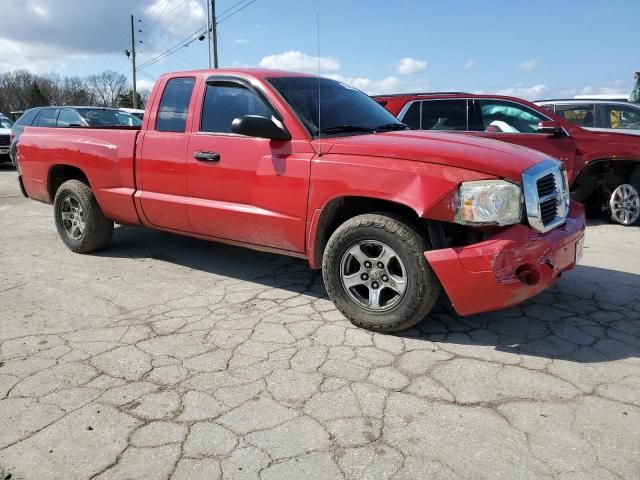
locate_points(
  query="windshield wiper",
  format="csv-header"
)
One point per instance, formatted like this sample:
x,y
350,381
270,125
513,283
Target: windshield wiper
x,y
346,128
392,126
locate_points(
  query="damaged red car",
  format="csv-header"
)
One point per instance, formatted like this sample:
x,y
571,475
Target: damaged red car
x,y
309,167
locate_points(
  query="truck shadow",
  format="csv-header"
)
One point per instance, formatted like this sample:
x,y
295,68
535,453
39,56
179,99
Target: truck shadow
x,y
590,315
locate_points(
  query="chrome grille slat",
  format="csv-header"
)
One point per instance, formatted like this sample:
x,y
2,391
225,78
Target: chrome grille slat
x,y
546,195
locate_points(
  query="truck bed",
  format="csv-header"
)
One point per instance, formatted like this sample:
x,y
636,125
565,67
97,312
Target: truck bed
x,y
105,155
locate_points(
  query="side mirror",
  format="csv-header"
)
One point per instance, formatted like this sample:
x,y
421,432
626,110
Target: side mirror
x,y
549,127
257,126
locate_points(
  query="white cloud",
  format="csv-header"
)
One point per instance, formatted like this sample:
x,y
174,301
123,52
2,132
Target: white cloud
x,y
299,62
143,84
408,66
529,93
370,86
590,90
177,16
528,65
40,11
34,57
469,64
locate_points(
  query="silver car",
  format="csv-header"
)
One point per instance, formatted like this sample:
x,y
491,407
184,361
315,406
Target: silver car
x,y
611,116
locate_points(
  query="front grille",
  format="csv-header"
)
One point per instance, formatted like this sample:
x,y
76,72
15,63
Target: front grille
x,y
4,140
546,195
546,185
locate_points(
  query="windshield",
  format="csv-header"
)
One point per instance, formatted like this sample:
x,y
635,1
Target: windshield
x,y
108,118
5,123
344,110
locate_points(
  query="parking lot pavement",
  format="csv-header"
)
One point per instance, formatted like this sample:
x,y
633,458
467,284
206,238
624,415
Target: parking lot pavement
x,y
167,356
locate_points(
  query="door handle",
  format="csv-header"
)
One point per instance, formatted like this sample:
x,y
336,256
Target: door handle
x,y
207,156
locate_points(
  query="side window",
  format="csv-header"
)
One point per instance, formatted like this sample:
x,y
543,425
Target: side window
x,y
549,106
69,117
582,115
622,117
444,115
509,117
26,120
412,116
225,101
174,105
47,118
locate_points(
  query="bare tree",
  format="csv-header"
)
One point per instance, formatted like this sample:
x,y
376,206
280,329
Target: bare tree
x,y
108,87
76,91
20,90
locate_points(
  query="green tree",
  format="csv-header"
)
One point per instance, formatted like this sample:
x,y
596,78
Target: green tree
x,y
126,99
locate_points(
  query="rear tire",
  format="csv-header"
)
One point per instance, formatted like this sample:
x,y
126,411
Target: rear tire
x,y
623,204
376,273
80,222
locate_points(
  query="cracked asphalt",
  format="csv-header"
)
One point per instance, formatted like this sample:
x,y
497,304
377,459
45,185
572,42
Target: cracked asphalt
x,y
170,357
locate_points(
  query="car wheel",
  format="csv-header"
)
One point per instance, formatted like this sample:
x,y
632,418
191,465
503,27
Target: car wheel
x,y
376,273
80,222
624,204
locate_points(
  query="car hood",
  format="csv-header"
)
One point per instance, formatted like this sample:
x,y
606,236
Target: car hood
x,y
462,151
5,131
615,131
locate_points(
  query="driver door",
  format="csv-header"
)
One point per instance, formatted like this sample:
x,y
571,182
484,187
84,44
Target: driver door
x,y
245,189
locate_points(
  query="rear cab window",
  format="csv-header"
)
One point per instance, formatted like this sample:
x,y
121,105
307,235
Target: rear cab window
x,y
174,105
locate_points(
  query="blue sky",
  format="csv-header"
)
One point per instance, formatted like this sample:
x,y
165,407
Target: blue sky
x,y
530,49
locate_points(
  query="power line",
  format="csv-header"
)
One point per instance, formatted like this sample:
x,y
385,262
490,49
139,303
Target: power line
x,y
230,12
233,13
191,38
163,13
231,7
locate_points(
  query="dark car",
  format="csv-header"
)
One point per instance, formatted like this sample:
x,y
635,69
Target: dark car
x,y
5,138
65,117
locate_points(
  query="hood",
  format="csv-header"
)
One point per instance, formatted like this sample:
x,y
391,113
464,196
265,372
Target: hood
x,y
5,131
492,157
617,132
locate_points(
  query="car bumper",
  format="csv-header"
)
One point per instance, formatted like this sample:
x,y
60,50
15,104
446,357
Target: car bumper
x,y
510,266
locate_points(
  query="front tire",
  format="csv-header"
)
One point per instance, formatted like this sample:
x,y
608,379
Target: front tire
x,y
80,222
376,273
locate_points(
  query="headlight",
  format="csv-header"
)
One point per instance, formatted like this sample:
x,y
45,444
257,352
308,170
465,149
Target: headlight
x,y
489,202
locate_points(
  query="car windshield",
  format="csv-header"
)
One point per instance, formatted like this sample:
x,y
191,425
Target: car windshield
x,y
344,110
5,123
97,117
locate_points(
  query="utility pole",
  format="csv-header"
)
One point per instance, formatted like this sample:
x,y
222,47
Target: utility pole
x,y
213,34
133,61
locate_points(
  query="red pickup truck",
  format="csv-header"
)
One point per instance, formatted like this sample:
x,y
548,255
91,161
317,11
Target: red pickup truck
x,y
309,167
603,168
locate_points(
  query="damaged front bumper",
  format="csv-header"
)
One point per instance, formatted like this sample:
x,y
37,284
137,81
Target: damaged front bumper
x,y
510,266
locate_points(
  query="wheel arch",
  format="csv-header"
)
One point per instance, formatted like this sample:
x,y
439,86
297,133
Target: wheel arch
x,y
60,173
340,209
599,174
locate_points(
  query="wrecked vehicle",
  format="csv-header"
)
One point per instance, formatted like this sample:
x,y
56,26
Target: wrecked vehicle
x,y
309,167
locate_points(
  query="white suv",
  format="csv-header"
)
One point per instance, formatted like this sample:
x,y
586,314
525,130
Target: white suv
x,y
600,115
5,138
